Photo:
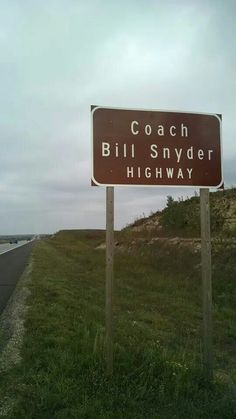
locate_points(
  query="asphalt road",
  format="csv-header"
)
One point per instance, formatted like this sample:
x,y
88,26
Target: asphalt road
x,y
8,246
12,265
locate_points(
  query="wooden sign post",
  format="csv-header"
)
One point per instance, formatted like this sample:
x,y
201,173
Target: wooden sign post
x,y
206,283
109,277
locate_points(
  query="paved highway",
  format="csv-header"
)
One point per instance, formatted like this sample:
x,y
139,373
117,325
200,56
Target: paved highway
x,y
12,265
9,246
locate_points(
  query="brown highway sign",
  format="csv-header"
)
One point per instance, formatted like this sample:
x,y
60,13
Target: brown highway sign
x,y
155,148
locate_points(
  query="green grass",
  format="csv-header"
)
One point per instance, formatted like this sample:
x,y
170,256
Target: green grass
x,y
157,334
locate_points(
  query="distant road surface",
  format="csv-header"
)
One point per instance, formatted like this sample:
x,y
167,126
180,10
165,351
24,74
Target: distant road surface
x,y
7,246
13,261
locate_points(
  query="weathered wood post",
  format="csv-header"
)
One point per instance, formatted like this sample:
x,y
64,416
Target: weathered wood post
x,y
206,283
109,277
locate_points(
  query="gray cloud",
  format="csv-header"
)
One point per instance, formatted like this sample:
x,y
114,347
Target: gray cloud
x,y
59,57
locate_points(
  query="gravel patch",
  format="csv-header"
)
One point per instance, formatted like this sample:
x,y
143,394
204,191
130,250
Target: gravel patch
x,y
12,332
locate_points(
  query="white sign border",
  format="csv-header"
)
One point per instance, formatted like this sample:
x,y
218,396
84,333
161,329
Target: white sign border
x,y
94,108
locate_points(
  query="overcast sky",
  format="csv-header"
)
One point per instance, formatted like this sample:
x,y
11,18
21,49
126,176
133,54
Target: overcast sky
x,y
58,57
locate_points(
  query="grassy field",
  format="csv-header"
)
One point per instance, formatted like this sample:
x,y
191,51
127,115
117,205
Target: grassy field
x,y
157,323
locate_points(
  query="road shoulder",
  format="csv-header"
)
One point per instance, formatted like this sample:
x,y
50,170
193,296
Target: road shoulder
x,y
12,332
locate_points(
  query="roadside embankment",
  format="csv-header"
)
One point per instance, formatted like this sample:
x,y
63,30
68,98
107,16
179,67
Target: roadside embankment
x,y
157,333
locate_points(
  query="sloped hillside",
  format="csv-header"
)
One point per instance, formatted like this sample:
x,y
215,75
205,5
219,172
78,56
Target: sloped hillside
x,y
182,217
